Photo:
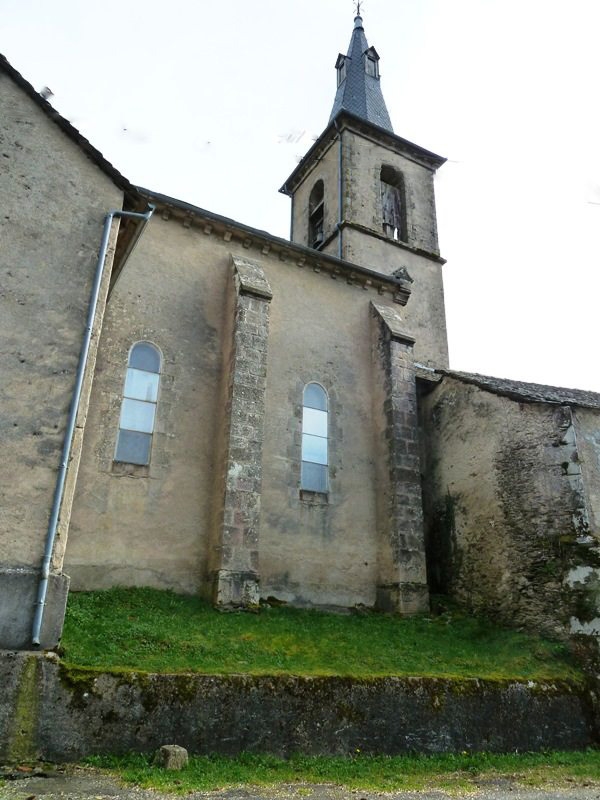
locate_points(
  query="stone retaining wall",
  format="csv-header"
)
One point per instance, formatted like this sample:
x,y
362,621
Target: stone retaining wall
x,y
51,712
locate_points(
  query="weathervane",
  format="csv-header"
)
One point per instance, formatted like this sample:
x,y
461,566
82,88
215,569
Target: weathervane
x,y
358,4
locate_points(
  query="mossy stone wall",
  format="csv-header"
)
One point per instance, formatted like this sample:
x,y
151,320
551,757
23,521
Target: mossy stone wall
x,y
81,712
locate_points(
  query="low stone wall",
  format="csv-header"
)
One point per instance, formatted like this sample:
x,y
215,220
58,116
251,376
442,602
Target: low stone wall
x,y
55,713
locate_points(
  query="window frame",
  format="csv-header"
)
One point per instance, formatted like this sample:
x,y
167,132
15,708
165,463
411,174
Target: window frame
x,y
142,410
316,215
398,233
371,66
316,441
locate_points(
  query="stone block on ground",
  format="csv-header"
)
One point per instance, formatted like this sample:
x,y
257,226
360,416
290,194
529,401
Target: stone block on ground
x,y
171,756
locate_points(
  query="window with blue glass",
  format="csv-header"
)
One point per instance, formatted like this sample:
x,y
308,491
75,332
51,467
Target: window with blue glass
x,y
138,409
315,463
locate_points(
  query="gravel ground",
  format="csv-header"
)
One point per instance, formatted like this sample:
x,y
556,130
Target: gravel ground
x,y
85,784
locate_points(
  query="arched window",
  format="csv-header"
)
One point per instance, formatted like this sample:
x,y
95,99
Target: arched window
x,y
315,412
138,409
316,215
392,203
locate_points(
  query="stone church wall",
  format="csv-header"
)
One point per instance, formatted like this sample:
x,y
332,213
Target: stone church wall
x,y
362,202
136,525
313,551
363,241
53,202
156,525
326,169
424,315
506,515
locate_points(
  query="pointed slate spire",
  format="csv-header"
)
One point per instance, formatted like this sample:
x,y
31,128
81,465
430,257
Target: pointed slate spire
x,y
359,90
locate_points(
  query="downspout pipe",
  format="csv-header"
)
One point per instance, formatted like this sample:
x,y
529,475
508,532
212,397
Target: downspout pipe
x,y
40,604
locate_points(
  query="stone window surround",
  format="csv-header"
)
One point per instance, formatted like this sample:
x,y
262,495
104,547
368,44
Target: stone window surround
x,y
314,495
120,466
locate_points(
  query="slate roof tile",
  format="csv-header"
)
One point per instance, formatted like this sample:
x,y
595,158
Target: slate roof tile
x,y
359,93
528,392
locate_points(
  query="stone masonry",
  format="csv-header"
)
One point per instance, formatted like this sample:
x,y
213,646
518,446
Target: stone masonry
x,y
236,579
506,515
402,581
56,713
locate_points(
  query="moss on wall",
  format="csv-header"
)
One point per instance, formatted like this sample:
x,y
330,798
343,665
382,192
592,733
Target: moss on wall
x,y
22,743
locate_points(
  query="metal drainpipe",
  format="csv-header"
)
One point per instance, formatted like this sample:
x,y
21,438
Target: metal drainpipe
x,y
340,191
40,605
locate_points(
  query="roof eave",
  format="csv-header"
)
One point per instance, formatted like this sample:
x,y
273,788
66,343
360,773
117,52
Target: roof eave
x,y
396,286
84,144
525,392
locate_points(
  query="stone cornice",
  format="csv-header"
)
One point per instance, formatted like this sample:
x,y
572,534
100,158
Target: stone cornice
x,y
419,251
347,121
257,241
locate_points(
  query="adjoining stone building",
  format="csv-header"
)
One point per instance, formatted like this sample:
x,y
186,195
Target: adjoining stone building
x,y
258,417
511,495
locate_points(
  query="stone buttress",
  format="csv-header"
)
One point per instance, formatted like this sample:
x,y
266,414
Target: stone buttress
x,y
236,535
402,577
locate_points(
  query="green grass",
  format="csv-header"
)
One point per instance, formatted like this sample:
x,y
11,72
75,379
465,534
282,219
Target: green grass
x,y
375,773
154,631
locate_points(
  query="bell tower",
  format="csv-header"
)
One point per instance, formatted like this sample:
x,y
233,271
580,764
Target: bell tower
x,y
366,195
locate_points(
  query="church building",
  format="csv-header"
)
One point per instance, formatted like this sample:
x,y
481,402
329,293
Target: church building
x,y
192,404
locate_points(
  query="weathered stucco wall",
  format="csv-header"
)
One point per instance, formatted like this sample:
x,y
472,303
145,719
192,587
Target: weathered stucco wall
x,y
506,518
315,549
53,204
69,714
148,525
54,200
155,525
424,315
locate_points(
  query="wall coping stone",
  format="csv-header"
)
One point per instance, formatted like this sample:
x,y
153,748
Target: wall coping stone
x,y
393,323
250,278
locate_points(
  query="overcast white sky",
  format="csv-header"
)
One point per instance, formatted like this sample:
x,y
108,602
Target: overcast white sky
x,y
213,102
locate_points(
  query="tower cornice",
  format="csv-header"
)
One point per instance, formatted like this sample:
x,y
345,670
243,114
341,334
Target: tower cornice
x,y
347,121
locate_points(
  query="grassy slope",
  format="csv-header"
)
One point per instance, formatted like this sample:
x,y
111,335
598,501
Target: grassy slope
x,y
459,772
155,631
